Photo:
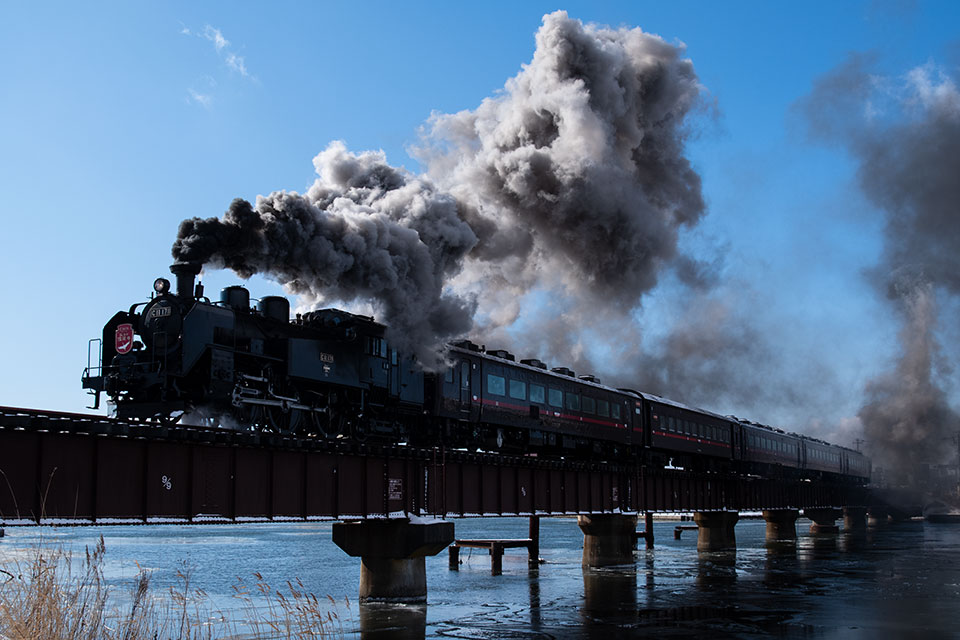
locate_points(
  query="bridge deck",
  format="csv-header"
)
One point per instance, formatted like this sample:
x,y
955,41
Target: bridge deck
x,y
75,468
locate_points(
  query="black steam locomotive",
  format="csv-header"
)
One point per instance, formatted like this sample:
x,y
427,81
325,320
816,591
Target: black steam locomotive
x,y
331,374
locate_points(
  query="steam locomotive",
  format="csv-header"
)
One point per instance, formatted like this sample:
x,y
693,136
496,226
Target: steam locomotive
x,y
332,374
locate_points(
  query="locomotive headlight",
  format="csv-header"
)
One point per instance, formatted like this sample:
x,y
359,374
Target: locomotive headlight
x,y
161,285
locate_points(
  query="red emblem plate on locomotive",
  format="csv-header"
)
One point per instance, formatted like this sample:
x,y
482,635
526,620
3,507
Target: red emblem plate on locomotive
x,y
123,338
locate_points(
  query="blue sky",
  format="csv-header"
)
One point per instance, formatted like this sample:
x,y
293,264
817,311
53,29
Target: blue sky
x,y
120,120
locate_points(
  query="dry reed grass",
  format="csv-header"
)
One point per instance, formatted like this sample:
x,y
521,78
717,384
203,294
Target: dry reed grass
x,y
53,597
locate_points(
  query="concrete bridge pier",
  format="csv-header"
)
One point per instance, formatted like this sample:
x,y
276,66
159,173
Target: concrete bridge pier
x,y
824,520
781,524
854,519
392,552
878,517
715,530
608,539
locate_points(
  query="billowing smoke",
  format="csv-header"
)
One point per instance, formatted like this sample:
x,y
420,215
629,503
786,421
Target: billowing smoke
x,y
905,136
576,171
571,183
364,231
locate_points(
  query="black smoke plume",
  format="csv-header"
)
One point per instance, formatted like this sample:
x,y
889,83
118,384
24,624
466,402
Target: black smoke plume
x,y
905,136
573,179
364,231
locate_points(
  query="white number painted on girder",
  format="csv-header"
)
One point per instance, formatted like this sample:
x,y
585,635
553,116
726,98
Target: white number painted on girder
x,y
167,483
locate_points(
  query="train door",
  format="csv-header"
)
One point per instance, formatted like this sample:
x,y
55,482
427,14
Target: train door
x,y
466,398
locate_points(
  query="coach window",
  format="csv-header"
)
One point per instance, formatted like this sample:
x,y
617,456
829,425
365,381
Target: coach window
x,y
536,393
518,390
603,408
556,398
616,411
496,385
589,405
573,402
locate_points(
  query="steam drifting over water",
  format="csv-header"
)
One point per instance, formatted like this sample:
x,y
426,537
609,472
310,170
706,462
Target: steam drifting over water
x,y
572,178
905,137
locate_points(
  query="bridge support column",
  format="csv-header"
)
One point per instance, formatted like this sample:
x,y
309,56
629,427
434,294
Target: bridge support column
x,y
648,529
715,530
824,520
878,517
392,553
607,539
781,524
854,519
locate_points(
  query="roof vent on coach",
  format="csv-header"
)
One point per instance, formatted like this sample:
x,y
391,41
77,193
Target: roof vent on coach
x,y
502,353
235,297
564,371
275,308
590,378
533,362
466,344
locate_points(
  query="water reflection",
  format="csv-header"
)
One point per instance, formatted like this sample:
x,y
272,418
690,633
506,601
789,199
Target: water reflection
x,y
781,565
609,597
535,617
716,569
402,621
855,540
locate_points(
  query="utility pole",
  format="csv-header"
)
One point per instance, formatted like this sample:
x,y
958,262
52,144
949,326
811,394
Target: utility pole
x,y
858,442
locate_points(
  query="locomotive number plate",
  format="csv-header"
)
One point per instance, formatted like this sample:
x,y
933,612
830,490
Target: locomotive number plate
x,y
326,357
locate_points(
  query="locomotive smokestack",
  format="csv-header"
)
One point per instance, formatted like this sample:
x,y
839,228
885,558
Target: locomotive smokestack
x,y
185,272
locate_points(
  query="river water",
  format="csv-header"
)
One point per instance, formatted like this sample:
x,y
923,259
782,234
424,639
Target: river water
x,y
901,581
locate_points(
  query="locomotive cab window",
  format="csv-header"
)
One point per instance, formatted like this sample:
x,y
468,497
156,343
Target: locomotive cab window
x,y
536,393
448,375
518,390
464,375
556,398
376,347
496,385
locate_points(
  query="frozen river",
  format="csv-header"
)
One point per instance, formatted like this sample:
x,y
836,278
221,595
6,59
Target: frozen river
x,y
900,581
